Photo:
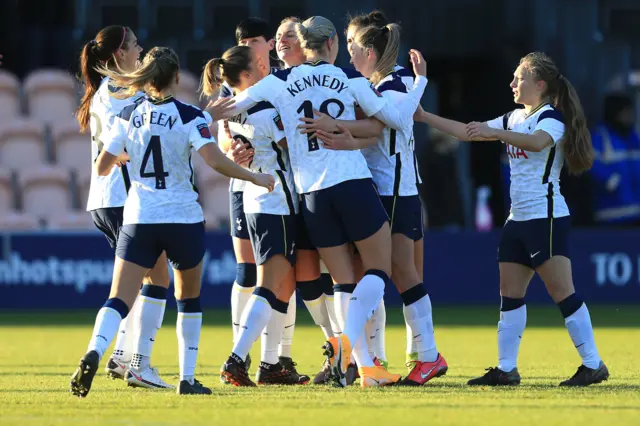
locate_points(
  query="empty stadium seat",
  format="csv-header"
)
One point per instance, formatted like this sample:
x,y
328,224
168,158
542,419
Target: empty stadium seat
x,y
19,221
45,191
71,220
188,88
6,192
51,95
22,144
72,148
9,96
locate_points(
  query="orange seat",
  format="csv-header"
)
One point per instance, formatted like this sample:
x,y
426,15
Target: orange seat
x,y
188,89
71,220
51,95
6,191
72,148
18,221
45,191
9,96
22,144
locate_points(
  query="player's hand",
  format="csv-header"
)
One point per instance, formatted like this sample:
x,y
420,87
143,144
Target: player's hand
x,y
476,130
321,122
264,180
122,159
342,141
241,153
220,108
418,62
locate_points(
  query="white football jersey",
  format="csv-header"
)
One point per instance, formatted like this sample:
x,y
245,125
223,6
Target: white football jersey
x,y
535,176
392,159
159,136
261,127
235,185
111,190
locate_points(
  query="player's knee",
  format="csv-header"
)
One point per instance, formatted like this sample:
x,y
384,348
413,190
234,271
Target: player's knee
x,y
246,274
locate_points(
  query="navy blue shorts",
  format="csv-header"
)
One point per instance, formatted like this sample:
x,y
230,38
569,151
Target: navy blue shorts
x,y
142,244
109,222
303,241
272,234
405,215
347,212
533,242
238,219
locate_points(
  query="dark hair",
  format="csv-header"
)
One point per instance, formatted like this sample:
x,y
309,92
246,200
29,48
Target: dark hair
x,y
376,18
99,52
157,71
577,148
293,19
385,41
227,68
253,27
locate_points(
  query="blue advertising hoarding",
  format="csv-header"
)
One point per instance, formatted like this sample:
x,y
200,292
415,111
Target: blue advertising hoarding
x,y
73,270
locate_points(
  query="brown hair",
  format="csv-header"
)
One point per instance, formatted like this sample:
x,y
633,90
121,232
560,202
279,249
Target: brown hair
x,y
157,71
376,18
99,52
227,68
577,147
293,19
385,41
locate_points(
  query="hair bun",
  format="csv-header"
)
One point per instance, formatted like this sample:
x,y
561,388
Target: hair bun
x,y
384,30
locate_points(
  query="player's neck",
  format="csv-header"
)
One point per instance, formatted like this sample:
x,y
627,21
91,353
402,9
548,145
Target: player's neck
x,y
165,94
534,106
315,57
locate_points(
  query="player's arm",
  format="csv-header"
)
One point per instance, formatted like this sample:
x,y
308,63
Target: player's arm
x,y
113,152
343,140
364,128
451,127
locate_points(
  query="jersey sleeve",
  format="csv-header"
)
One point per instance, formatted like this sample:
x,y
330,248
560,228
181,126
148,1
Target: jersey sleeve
x,y
116,138
400,115
266,89
500,123
200,135
552,123
275,127
367,97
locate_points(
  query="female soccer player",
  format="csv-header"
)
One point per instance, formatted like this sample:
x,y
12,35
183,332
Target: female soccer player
x,y
391,159
539,138
117,47
331,180
161,212
271,220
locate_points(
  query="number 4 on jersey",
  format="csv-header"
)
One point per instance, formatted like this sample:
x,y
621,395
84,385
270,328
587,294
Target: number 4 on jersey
x,y
154,149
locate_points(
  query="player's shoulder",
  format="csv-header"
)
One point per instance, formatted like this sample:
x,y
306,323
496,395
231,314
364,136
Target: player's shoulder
x,y
350,73
550,112
187,112
392,82
127,112
262,115
260,107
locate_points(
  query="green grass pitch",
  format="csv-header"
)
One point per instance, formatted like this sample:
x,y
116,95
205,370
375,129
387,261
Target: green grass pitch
x,y
39,351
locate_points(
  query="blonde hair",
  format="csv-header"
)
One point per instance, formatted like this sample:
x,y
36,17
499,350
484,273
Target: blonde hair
x,y
314,32
227,68
385,41
577,147
293,19
157,71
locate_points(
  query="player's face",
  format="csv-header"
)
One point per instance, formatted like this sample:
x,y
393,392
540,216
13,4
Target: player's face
x,y
255,72
128,59
526,90
362,58
351,34
259,45
288,45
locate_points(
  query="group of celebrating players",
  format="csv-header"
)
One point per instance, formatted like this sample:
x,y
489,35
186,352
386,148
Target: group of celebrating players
x,y
324,199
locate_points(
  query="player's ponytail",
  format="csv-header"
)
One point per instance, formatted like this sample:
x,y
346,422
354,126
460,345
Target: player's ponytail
x,y
385,41
314,33
158,71
99,52
577,148
227,68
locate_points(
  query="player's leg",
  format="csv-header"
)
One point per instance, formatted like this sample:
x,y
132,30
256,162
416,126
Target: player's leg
x,y
135,255
515,274
554,267
147,320
185,248
418,252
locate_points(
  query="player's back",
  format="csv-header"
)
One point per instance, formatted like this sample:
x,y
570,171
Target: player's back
x,y
111,190
159,138
298,92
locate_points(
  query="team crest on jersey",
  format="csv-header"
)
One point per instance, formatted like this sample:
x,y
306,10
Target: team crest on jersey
x,y
378,94
203,128
278,121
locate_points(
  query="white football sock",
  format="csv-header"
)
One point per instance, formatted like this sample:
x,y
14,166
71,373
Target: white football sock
x,y
510,330
254,319
123,348
188,329
318,310
363,302
376,328
271,337
361,353
418,316
581,332
239,298
289,325
330,303
411,346
105,329
147,316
